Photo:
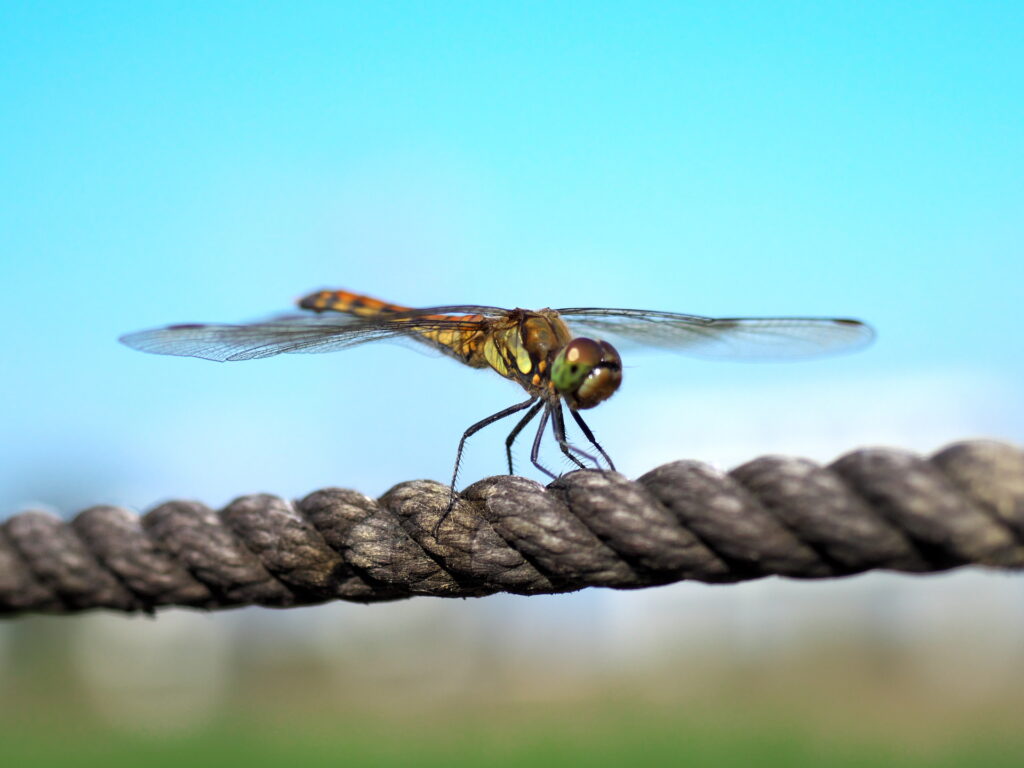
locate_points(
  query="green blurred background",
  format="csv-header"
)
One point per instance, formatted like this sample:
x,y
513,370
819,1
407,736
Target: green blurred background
x,y
173,162
434,683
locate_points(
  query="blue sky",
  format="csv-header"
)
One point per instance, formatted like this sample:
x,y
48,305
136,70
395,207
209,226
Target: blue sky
x,y
169,162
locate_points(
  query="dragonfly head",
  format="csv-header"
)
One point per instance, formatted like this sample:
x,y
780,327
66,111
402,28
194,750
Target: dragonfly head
x,y
586,372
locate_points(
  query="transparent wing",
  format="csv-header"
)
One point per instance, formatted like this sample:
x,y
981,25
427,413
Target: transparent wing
x,y
292,334
729,338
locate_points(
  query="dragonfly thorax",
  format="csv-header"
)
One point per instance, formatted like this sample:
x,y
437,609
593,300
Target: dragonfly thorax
x,y
586,372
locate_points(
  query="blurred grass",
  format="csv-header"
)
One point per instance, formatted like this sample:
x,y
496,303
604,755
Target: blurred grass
x,y
851,704
606,737
296,717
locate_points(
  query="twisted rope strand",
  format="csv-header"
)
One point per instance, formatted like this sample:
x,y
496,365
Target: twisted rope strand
x,y
873,508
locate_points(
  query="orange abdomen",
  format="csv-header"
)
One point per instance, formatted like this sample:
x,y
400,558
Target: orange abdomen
x,y
460,336
350,303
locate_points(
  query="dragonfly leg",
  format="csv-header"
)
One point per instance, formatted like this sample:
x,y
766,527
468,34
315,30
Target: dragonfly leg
x,y
590,436
535,451
558,427
462,445
530,414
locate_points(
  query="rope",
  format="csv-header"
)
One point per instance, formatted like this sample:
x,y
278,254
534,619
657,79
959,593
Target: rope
x,y
872,508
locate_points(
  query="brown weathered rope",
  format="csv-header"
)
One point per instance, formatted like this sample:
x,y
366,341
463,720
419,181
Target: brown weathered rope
x,y
870,509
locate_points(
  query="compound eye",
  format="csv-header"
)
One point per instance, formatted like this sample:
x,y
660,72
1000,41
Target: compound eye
x,y
574,363
603,379
586,372
585,353
598,387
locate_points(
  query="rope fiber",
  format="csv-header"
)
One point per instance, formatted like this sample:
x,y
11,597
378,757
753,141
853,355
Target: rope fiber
x,y
871,509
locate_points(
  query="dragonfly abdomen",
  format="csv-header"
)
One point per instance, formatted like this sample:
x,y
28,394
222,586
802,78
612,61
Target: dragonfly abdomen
x,y
459,336
350,303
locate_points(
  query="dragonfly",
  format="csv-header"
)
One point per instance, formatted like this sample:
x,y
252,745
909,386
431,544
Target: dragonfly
x,y
560,357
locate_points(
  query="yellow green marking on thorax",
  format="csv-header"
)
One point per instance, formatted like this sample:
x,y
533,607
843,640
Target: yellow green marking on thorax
x,y
506,353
